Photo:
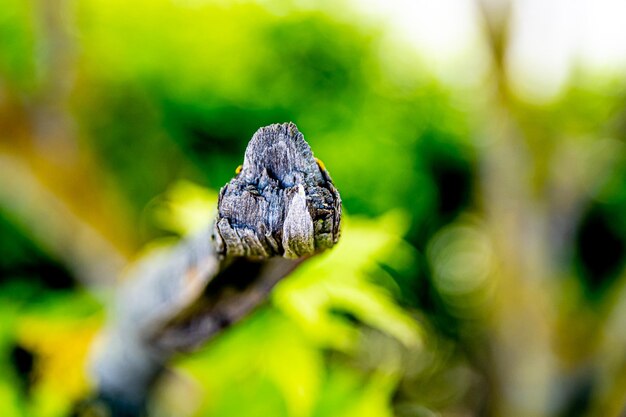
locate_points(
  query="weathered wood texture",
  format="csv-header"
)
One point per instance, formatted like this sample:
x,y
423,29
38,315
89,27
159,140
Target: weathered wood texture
x,y
282,202
280,209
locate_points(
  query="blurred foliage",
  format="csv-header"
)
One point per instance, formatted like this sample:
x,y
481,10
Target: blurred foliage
x,y
481,269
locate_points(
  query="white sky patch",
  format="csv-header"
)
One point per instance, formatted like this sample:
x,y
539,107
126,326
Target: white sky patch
x,y
603,45
446,33
549,38
541,47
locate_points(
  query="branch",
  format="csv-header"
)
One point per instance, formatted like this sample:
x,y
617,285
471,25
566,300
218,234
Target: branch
x,y
278,211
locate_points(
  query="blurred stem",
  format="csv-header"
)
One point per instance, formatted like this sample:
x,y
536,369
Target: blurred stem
x,y
534,197
523,318
59,193
532,208
56,226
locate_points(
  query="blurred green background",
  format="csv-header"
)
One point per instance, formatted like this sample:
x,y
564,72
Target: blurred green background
x,y
478,148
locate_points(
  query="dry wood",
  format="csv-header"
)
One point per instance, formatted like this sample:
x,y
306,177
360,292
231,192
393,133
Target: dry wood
x,y
280,209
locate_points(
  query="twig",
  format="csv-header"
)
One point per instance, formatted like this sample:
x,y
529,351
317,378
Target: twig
x,y
279,210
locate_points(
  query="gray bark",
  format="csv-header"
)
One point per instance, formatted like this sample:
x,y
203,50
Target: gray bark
x,y
281,202
278,211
